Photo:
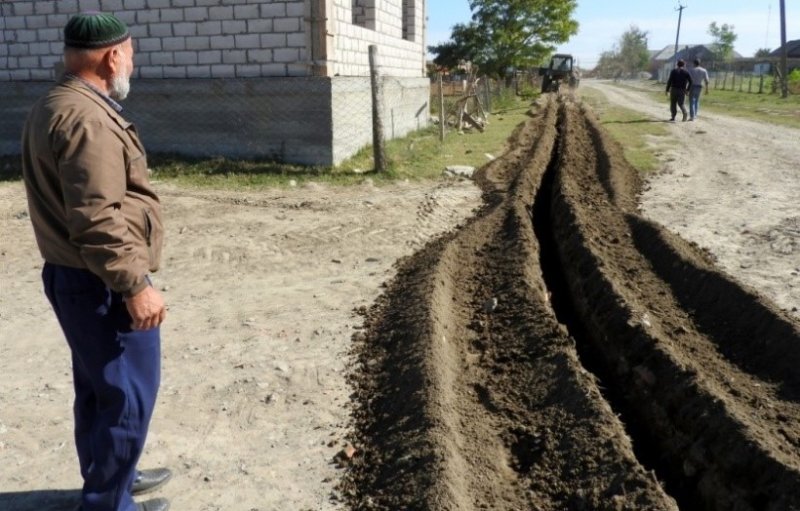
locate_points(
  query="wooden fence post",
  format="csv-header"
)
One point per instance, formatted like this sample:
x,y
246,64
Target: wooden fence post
x,y
441,110
378,142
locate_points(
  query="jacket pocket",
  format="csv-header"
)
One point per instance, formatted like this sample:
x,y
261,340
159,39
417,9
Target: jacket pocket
x,y
153,236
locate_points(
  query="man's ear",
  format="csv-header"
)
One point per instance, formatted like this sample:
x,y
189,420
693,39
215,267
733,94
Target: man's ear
x,y
113,60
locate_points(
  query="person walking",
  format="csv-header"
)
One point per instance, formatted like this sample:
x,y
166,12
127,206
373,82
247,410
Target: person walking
x,y
678,84
97,223
699,77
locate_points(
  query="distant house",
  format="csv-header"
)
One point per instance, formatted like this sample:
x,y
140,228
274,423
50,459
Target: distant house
x,y
664,60
793,48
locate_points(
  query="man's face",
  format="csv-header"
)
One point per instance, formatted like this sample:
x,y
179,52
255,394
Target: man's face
x,y
121,81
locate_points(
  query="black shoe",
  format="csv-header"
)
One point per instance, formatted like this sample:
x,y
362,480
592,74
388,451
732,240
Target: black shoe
x,y
149,480
153,505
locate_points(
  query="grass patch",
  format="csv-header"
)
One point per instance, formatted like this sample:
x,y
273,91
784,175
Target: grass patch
x,y
767,108
629,128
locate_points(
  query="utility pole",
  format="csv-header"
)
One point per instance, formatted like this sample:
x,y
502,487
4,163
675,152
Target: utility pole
x,y
680,9
784,54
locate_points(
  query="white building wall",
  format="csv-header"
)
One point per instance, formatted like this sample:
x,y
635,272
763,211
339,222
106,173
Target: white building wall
x,y
398,56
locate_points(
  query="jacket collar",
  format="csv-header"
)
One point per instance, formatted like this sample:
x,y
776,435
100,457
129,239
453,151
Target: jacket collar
x,y
90,91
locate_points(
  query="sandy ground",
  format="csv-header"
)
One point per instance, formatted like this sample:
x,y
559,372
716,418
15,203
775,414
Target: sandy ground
x,y
262,286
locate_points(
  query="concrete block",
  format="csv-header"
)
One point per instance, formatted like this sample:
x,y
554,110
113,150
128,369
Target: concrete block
x,y
234,57
139,31
58,20
287,25
30,62
246,12
234,27
273,10
248,71
186,58
171,15
20,74
296,40
273,70
259,26
44,7
111,5
259,56
162,58
23,8
198,43
222,42
174,43
184,29
209,57
39,21
128,17
133,5
273,40
150,72
49,35
174,72
209,28
39,48
148,16
15,23
5,76
41,74
183,3
223,71
297,70
26,36
198,72
297,9
161,30
147,44
220,13
246,41
286,55
196,14
159,4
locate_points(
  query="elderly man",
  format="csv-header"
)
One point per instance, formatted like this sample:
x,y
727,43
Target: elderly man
x,y
98,226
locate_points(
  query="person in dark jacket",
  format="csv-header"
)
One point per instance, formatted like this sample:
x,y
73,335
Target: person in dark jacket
x,y
678,85
97,223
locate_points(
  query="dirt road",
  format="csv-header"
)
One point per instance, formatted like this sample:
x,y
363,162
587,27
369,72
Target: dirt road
x,y
558,350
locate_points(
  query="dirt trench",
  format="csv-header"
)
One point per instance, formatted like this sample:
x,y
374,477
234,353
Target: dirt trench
x,y
560,352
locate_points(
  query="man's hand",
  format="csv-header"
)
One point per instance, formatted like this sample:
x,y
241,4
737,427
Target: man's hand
x,y
146,308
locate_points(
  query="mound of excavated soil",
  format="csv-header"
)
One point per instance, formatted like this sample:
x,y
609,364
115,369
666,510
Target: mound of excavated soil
x,y
561,352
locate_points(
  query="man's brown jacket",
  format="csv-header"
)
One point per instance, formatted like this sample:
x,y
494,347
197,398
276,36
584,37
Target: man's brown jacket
x,y
89,197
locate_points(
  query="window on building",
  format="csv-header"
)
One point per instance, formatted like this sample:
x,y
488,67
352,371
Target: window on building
x,y
364,13
408,20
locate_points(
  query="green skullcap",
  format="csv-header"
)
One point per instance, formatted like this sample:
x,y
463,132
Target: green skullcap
x,y
94,30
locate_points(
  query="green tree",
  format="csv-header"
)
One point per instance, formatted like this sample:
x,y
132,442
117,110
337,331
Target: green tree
x,y
465,45
510,34
633,54
762,52
724,37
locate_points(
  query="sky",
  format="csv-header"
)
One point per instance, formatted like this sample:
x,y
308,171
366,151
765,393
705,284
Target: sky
x,y
602,22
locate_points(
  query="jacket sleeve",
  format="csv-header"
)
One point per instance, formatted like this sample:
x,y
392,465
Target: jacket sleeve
x,y
93,174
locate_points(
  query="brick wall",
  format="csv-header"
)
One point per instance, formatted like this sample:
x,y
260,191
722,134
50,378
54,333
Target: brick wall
x,y
399,56
221,38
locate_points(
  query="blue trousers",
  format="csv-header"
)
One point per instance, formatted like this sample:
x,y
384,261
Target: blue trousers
x,y
116,374
694,100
